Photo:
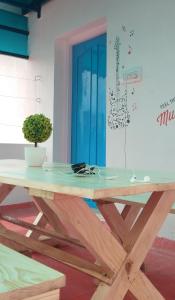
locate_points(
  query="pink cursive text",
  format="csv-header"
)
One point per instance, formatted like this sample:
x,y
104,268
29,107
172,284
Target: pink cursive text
x,y
165,117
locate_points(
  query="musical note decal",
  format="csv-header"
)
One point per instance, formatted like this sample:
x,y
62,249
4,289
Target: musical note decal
x,y
130,49
124,28
133,91
131,33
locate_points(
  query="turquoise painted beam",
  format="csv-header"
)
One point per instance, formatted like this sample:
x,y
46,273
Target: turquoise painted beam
x,y
27,5
13,43
13,20
13,34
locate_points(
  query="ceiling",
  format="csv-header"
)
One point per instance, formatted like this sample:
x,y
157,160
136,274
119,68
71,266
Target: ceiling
x,y
27,5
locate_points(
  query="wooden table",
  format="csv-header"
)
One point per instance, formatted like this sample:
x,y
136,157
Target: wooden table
x,y
118,252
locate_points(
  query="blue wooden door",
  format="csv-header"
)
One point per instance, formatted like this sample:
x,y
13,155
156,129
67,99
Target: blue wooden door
x,y
88,139
88,142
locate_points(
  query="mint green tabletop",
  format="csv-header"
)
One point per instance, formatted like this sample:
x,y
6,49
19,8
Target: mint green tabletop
x,y
106,182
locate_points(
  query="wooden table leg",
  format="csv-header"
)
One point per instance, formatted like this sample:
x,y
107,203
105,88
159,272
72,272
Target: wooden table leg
x,y
107,249
47,217
130,214
89,229
5,189
119,223
119,226
40,220
50,215
138,244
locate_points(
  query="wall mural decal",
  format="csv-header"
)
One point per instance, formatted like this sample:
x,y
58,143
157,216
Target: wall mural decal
x,y
131,33
124,28
133,91
130,49
132,75
134,106
119,116
167,114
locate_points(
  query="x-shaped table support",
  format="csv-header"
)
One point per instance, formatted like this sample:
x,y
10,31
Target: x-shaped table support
x,y
123,259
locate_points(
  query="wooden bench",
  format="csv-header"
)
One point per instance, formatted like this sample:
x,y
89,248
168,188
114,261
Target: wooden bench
x,y
139,200
24,278
124,219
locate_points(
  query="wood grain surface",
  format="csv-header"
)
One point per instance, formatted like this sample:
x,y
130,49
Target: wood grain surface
x,y
22,277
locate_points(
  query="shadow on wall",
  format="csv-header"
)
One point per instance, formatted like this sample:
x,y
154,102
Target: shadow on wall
x,y
14,151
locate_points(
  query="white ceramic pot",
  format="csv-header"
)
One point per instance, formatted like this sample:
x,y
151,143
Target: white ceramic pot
x,y
34,156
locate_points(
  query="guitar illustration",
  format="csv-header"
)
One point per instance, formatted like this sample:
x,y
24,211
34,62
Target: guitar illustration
x,y
119,116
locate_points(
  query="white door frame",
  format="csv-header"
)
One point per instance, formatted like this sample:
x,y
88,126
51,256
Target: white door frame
x,y
63,85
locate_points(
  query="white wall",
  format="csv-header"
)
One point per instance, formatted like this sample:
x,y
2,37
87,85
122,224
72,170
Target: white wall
x,y
17,97
18,92
144,143
148,145
20,96
14,151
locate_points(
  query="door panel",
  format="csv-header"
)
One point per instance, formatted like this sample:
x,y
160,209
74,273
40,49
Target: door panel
x,y
83,108
101,108
88,141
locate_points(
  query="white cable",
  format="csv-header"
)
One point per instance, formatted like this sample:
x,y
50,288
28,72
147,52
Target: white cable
x,y
78,173
106,177
146,179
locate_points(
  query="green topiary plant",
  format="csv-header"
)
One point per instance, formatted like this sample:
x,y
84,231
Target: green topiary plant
x,y
37,128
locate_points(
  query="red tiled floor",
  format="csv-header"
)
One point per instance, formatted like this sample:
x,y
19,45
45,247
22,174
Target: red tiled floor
x,y
160,267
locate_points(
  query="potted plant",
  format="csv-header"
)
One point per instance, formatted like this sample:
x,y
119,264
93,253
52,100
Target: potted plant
x,y
37,128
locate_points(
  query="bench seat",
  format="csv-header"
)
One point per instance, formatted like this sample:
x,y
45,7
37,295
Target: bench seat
x,y
24,278
140,199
